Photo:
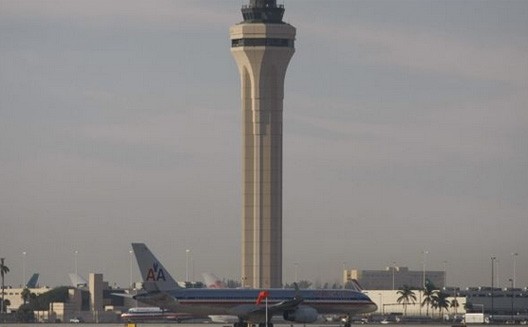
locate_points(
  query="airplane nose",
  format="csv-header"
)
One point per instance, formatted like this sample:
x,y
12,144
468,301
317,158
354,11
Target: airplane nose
x,y
368,307
372,307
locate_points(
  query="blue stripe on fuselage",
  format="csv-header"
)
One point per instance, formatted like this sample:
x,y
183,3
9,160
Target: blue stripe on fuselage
x,y
275,295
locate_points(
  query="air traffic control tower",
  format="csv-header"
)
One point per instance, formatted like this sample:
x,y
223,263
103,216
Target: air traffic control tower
x,y
262,46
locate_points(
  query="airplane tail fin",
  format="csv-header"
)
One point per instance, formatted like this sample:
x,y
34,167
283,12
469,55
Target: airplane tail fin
x,y
77,281
32,282
155,276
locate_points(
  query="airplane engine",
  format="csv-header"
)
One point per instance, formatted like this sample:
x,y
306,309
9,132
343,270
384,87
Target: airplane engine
x,y
301,315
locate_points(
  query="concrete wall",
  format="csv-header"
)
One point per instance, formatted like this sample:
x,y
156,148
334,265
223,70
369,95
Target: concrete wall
x,y
394,278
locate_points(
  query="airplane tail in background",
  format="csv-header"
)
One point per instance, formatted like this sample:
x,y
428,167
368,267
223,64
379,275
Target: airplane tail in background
x,y
77,281
33,281
212,281
356,285
155,276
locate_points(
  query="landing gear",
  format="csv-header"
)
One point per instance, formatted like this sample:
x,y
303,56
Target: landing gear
x,y
348,321
247,324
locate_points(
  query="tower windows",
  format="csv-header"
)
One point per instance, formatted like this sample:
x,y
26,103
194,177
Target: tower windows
x,y
285,43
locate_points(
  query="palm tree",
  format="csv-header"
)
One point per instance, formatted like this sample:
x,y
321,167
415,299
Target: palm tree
x,y
407,297
440,301
26,295
434,304
454,304
3,270
428,294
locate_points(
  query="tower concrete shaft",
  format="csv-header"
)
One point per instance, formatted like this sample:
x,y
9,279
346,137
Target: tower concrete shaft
x,y
262,46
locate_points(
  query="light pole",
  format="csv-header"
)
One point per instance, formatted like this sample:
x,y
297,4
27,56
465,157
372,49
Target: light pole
x,y
425,253
344,273
393,268
2,266
492,284
381,304
497,272
445,272
24,268
187,254
296,266
192,268
130,253
514,255
512,295
75,253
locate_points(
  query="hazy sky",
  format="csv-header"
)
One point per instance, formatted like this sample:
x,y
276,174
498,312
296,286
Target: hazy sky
x,y
405,129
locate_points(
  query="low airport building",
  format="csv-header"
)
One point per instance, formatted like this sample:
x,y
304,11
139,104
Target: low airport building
x,y
388,305
394,278
503,305
510,303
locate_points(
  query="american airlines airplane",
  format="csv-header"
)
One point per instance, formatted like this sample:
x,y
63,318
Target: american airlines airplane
x,y
298,306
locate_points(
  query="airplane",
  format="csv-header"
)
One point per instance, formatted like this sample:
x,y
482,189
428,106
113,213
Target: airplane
x,y
294,305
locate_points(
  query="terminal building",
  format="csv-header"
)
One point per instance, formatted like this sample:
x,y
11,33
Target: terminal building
x,y
393,278
497,302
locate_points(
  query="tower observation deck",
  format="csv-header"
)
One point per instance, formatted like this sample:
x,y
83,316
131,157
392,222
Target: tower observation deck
x,y
262,45
263,11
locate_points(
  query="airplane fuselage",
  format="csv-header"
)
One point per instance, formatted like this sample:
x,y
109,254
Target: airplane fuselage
x,y
238,301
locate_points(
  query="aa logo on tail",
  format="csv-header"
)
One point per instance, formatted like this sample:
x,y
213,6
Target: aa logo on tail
x,y
155,273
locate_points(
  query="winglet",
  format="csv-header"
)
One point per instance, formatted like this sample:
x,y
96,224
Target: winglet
x,y
262,295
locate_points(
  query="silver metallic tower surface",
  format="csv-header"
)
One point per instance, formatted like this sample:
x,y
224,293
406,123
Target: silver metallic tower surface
x,y
262,46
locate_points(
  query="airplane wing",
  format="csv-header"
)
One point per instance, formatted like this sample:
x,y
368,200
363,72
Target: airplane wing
x,y
125,295
159,298
284,308
278,307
